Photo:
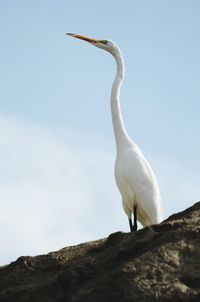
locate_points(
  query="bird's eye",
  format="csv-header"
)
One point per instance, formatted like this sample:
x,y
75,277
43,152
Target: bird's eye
x,y
104,42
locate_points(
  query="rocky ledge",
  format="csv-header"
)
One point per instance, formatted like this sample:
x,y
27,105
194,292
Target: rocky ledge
x,y
157,263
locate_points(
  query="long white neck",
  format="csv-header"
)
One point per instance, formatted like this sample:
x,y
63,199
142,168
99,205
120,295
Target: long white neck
x,y
121,137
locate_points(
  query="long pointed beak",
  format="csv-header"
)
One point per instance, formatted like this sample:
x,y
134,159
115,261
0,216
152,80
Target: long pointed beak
x,y
90,40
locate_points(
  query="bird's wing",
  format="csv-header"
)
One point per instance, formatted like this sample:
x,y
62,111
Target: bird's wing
x,y
140,177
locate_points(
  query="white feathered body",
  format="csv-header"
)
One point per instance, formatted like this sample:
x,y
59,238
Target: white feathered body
x,y
138,186
134,176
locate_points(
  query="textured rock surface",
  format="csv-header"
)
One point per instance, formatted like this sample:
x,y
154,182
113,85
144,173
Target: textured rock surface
x,y
157,263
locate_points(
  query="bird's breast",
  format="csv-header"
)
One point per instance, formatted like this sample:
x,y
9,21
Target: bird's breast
x,y
124,187
138,186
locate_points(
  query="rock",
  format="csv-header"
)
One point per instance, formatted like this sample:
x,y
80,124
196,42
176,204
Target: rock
x,y
157,263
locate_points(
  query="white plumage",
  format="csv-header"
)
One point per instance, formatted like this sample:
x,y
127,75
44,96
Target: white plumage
x,y
134,176
137,184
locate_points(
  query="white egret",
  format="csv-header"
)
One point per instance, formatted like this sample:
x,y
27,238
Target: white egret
x,y
134,176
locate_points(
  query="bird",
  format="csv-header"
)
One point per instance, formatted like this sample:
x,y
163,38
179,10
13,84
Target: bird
x,y
135,179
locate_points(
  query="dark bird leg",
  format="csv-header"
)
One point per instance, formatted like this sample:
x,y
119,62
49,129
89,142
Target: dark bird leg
x,y
130,224
134,228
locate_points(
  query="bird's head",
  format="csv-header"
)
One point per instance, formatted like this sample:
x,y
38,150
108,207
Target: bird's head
x,y
107,45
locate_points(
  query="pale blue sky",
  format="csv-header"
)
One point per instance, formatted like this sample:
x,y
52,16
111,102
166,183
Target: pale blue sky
x,y
57,148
